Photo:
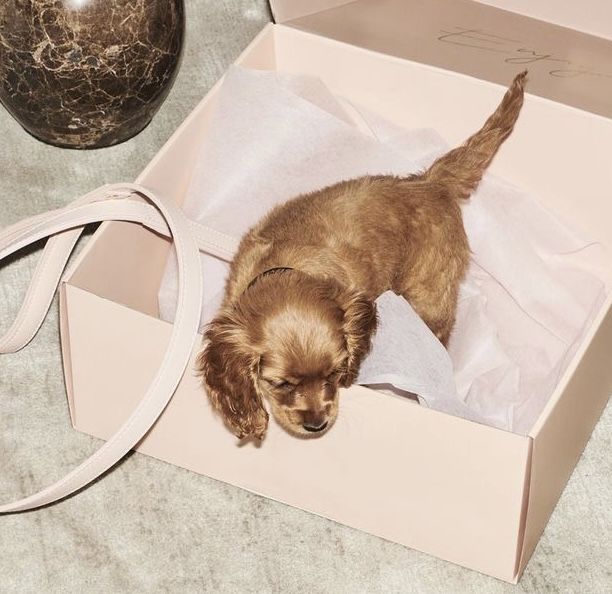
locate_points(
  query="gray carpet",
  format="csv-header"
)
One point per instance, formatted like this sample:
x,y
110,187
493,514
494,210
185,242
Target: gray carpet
x,y
150,527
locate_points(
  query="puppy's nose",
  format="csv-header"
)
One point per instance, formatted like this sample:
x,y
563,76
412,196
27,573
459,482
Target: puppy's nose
x,y
315,428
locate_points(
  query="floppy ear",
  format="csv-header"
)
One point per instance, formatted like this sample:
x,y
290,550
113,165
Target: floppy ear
x,y
228,366
359,327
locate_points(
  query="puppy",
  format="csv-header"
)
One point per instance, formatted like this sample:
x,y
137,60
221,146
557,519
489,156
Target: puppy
x,y
298,313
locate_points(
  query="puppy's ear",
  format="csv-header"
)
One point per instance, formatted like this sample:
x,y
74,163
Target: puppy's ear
x,y
359,327
228,366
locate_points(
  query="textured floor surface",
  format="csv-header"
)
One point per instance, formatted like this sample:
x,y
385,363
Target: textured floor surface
x,y
151,527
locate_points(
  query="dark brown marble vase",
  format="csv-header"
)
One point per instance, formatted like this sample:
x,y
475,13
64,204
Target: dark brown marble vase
x,y
88,73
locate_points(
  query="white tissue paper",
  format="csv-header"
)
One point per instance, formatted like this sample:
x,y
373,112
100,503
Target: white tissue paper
x,y
531,290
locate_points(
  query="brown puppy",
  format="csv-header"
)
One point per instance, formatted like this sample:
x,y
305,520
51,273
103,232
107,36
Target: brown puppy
x,y
298,313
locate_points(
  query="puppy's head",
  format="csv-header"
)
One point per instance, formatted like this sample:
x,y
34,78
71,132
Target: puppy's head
x,y
293,340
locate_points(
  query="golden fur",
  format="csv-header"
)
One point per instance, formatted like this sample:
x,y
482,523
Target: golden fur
x,y
293,336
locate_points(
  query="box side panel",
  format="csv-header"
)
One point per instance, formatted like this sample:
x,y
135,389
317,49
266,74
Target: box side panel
x,y
479,40
285,10
562,436
429,481
66,354
118,255
589,16
550,153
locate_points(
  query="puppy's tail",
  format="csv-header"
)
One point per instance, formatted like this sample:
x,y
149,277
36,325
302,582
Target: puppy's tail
x,y
462,168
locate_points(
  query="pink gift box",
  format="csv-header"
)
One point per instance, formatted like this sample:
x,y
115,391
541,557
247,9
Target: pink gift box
x,y
467,493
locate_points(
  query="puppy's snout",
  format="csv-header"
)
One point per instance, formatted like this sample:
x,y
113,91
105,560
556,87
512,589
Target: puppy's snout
x,y
315,428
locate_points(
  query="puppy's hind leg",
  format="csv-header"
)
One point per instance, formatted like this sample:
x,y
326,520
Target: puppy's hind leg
x,y
439,312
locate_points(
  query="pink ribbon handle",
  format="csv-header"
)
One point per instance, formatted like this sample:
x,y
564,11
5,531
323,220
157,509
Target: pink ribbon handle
x,y
63,227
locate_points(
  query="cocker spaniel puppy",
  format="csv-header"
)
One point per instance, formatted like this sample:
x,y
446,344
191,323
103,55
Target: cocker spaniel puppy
x,y
298,313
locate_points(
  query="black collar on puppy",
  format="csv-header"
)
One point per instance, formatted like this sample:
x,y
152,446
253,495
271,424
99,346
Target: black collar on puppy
x,y
267,272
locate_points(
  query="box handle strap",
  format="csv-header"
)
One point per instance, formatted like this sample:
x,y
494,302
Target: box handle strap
x,y
125,202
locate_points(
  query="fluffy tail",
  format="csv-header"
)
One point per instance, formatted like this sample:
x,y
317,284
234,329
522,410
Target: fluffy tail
x,y
462,168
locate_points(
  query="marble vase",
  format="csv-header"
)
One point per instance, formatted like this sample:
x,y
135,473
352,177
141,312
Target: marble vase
x,y
88,73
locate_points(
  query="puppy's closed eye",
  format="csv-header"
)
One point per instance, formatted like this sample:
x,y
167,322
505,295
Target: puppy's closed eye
x,y
280,384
